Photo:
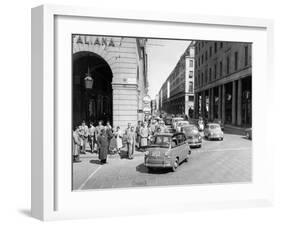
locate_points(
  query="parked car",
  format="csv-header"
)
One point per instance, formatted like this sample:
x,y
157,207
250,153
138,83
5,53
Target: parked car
x,y
213,131
181,124
175,120
167,151
193,136
218,121
248,133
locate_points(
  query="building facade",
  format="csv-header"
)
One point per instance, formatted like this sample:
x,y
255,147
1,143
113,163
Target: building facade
x,y
118,67
223,82
176,95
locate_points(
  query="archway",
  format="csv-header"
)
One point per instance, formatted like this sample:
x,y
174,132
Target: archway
x,y
94,104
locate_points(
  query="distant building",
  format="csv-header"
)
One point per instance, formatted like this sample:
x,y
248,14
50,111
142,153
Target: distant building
x,y
223,81
176,95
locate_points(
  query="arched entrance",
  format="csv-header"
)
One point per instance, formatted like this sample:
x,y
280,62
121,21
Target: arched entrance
x,y
94,104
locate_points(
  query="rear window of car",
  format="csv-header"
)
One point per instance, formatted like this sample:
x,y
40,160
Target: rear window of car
x,y
214,126
162,141
191,129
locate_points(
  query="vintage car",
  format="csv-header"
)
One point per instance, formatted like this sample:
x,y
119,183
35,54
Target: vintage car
x,y
181,124
192,135
167,150
213,131
175,121
248,133
218,121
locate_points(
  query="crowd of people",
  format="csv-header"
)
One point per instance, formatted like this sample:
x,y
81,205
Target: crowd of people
x,y
105,139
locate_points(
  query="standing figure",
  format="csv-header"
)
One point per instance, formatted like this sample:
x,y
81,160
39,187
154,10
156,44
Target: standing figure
x,y
144,135
92,138
102,142
98,129
76,144
113,142
108,131
84,132
130,142
119,139
138,134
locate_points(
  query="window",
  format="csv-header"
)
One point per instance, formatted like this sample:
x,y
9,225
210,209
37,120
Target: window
x,y
190,74
236,61
211,51
220,68
215,47
202,59
190,63
206,55
210,74
191,98
246,55
215,71
221,44
227,65
190,88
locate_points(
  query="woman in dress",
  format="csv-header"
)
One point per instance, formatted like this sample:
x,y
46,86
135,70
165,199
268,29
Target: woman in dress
x,y
144,132
119,136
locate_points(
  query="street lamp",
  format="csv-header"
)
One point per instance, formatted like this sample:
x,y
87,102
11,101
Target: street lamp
x,y
88,80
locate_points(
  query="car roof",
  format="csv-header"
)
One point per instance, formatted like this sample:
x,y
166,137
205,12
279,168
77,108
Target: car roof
x,y
178,118
165,134
213,124
190,125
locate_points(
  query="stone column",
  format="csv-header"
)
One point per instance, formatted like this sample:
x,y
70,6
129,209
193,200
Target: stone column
x,y
203,104
223,104
195,105
212,104
233,103
239,103
219,103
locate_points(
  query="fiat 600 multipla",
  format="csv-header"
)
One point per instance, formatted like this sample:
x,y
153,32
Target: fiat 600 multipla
x,y
213,131
193,135
167,151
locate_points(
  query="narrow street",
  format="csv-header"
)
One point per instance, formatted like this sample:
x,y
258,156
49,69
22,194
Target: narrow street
x,y
226,161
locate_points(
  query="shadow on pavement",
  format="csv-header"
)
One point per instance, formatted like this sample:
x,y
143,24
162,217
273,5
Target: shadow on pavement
x,y
143,169
95,161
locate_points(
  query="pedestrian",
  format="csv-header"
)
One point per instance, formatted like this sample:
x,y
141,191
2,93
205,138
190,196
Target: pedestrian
x,y
102,142
130,142
98,129
113,142
119,136
138,134
76,144
144,133
108,131
84,132
92,137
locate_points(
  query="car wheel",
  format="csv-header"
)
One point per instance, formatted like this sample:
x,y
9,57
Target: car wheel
x,y
209,137
175,165
150,169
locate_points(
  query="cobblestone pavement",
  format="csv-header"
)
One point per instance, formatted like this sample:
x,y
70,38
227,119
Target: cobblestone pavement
x,y
224,161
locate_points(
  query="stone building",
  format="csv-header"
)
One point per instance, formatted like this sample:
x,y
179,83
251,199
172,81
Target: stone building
x,y
118,67
223,82
177,92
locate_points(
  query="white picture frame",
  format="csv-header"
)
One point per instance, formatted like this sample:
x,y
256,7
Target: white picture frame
x,y
52,199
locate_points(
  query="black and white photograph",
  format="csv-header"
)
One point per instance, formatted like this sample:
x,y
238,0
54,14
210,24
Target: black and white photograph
x,y
152,112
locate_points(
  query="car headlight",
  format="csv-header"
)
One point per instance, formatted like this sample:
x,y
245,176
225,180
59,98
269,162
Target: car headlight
x,y
199,137
146,153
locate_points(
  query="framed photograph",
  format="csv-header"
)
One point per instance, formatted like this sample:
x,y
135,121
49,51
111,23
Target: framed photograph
x,y
137,112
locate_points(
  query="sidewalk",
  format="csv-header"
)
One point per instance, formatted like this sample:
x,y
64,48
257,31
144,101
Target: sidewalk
x,y
230,129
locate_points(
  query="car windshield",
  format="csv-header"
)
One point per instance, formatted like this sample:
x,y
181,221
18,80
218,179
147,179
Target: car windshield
x,y
160,141
191,129
214,126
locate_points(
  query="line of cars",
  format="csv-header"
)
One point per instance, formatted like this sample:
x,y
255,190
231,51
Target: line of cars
x,y
168,150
